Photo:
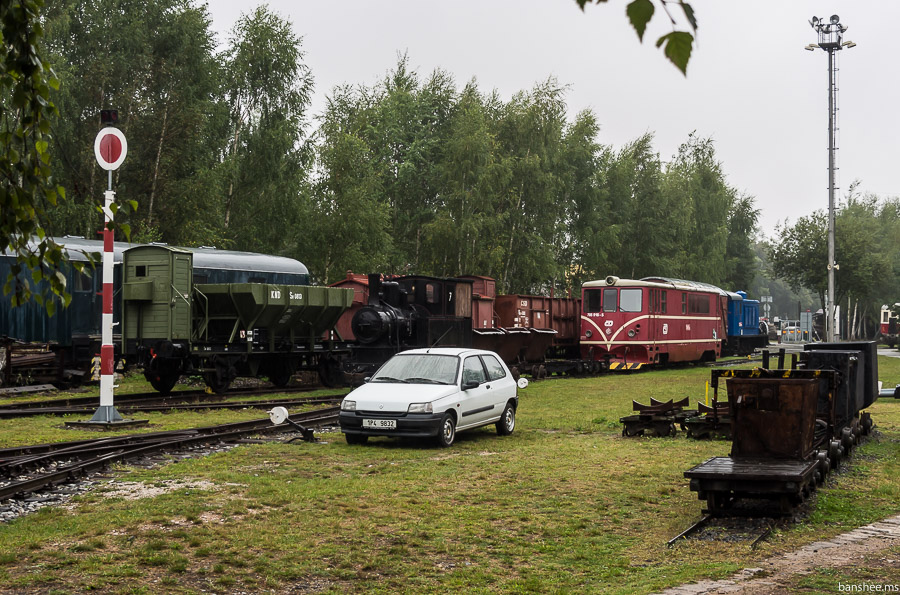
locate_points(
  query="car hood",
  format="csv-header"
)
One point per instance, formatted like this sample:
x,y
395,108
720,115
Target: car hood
x,y
383,396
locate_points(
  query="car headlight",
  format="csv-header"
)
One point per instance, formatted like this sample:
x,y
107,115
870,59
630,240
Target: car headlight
x,y
420,408
348,405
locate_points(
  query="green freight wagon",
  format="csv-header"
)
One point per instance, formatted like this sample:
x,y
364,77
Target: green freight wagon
x,y
172,326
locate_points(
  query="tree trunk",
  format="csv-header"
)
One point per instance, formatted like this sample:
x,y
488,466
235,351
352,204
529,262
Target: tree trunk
x,y
234,147
162,135
512,235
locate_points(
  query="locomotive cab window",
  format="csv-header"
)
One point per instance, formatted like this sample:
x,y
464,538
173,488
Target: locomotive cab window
x,y
592,300
630,300
610,297
432,293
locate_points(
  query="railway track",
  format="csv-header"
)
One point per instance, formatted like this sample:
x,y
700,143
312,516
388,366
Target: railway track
x,y
27,469
153,397
184,400
747,529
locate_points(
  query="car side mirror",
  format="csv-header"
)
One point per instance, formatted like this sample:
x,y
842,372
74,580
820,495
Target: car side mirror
x,y
367,379
470,385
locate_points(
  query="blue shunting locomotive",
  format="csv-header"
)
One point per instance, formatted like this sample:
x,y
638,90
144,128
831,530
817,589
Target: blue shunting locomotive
x,y
746,331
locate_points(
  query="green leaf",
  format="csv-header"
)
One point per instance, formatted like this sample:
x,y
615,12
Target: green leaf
x,y
134,205
126,229
639,13
678,48
689,14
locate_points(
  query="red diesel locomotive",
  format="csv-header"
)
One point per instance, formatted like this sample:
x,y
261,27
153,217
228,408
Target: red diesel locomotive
x,y
631,323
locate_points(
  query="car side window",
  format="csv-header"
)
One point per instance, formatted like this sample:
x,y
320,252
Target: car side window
x,y
473,370
494,368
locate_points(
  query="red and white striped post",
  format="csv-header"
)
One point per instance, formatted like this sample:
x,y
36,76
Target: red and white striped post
x,y
110,148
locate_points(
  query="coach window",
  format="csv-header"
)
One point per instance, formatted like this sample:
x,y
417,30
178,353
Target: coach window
x,y
662,302
630,300
684,303
592,300
432,294
609,299
83,281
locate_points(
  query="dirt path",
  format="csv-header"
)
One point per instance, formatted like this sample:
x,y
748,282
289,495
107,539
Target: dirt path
x,y
776,574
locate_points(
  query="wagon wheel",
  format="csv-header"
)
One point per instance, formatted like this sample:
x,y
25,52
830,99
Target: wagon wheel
x,y
785,505
630,432
216,381
824,465
663,429
281,377
717,501
330,372
867,423
162,382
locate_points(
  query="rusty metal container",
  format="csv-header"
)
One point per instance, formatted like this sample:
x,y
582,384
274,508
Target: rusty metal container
x,y
773,417
541,339
482,312
525,311
565,319
485,287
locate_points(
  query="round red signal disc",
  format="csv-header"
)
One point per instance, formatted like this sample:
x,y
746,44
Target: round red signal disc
x,y
110,148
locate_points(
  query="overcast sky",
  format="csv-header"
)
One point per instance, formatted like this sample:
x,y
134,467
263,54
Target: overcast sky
x,y
750,84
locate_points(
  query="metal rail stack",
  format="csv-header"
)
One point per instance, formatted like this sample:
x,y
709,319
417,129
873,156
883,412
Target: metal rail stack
x,y
658,418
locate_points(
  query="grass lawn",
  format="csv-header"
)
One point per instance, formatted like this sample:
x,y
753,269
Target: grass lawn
x,y
565,504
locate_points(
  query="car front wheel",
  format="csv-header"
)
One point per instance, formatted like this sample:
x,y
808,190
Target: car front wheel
x,y
448,431
356,438
507,422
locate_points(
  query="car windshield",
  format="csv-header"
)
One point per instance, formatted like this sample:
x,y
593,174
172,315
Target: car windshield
x,y
421,368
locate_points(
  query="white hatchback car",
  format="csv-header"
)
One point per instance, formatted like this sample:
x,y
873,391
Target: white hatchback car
x,y
432,393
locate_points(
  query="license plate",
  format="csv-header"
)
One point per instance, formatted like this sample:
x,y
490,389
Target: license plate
x,y
381,424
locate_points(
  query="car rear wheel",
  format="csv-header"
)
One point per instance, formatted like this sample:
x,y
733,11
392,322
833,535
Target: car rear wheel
x,y
507,422
448,431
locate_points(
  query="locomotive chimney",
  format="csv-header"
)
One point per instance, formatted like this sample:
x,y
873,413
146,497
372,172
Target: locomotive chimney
x,y
374,288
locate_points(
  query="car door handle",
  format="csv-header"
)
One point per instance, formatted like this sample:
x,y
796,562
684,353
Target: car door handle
x,y
487,386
